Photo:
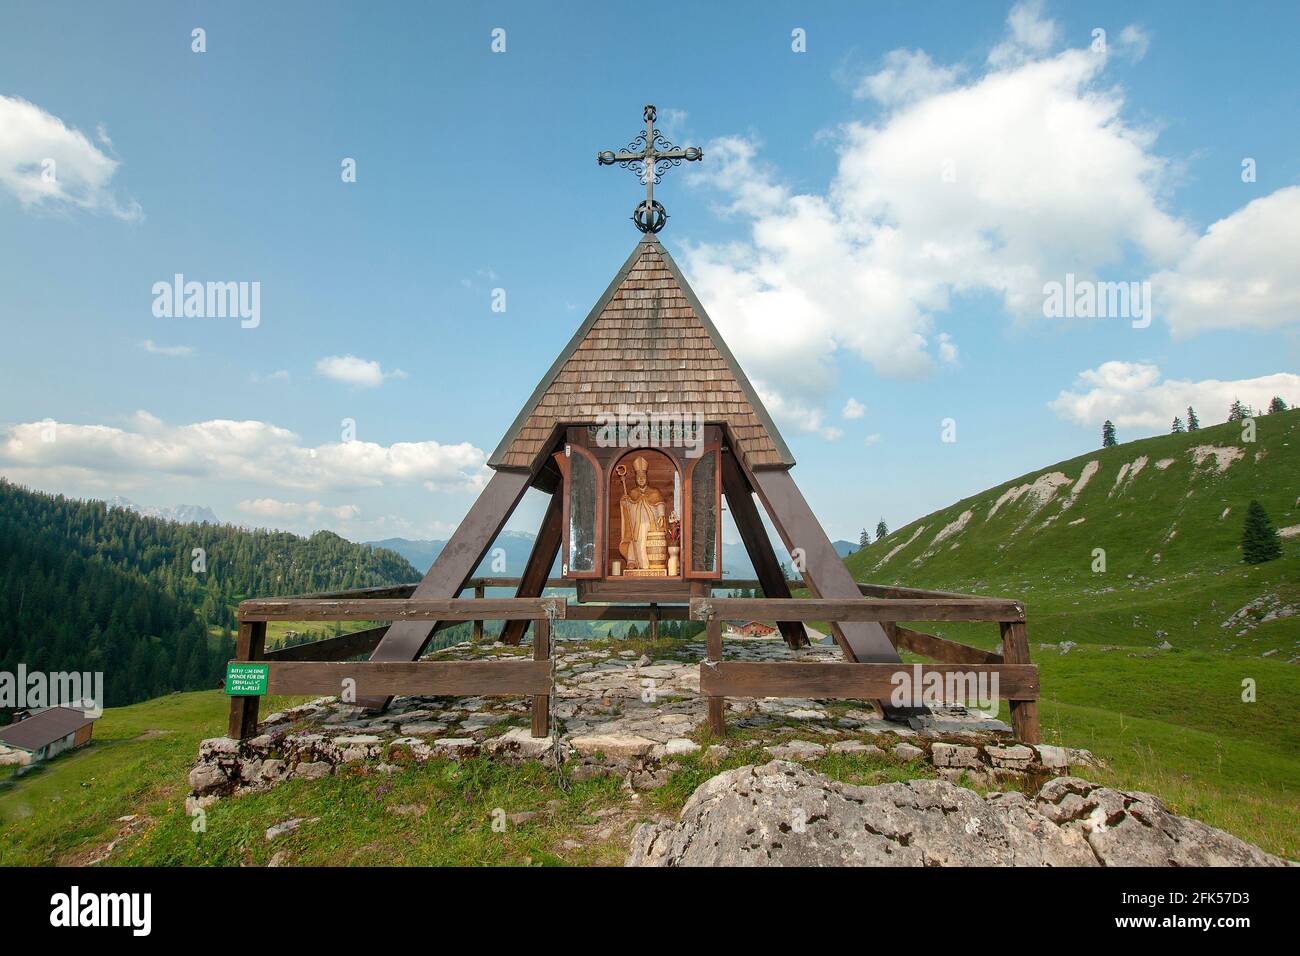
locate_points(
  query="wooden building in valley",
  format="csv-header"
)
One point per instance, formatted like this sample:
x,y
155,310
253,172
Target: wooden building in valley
x,y
42,734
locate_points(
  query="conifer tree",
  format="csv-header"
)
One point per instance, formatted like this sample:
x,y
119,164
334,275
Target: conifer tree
x,y
1108,434
1178,426
1259,540
1276,405
1193,423
881,529
864,539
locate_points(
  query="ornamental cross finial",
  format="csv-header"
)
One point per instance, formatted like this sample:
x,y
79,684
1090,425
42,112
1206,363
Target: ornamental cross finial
x,y
649,156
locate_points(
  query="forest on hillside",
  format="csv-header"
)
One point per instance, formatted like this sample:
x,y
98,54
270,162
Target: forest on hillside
x,y
88,587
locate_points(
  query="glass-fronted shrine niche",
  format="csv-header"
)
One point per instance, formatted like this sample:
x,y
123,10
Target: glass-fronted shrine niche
x,y
638,513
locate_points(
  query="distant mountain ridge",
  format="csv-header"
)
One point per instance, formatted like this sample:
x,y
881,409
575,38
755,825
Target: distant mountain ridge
x,y
148,601
184,514
517,545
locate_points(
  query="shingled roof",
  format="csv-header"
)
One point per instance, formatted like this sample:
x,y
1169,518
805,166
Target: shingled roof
x,y
648,345
43,728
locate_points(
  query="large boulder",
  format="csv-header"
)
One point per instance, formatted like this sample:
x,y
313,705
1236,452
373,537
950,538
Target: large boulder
x,y
781,814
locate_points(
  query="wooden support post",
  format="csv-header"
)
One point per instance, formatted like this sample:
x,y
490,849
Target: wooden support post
x,y
654,623
541,652
243,710
1024,713
717,720
479,593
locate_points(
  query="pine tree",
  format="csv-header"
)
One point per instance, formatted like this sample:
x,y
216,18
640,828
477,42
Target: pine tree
x,y
1259,540
864,539
1108,435
1276,405
1193,423
1178,426
881,529
1237,411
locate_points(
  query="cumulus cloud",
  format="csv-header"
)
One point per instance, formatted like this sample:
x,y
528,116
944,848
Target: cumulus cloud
x,y
1133,394
994,182
45,163
1029,34
1241,274
907,75
1134,42
173,351
357,372
222,450
275,510
853,409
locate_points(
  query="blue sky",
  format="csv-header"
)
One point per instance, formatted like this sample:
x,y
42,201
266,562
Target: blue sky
x,y
874,221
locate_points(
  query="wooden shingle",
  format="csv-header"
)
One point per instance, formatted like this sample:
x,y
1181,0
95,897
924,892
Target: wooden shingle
x,y
649,346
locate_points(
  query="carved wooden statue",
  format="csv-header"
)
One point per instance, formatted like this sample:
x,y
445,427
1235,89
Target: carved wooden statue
x,y
643,536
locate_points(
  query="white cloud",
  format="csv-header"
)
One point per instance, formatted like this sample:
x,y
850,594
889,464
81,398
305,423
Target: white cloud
x,y
1046,177
1132,394
230,451
357,372
805,418
872,439
272,509
907,75
43,162
1134,42
1241,274
853,409
947,349
174,351
1029,34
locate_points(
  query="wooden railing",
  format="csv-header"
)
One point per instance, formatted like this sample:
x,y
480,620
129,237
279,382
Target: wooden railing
x,y
1017,677
322,668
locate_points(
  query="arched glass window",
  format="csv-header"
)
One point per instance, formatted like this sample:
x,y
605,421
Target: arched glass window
x,y
702,524
580,552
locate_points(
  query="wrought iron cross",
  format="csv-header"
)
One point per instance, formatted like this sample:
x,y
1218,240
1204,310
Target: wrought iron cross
x,y
649,156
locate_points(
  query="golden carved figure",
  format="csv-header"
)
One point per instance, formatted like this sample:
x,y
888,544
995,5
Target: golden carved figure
x,y
642,538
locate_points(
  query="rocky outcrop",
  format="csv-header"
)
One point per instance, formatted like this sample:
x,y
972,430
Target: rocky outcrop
x,y
781,814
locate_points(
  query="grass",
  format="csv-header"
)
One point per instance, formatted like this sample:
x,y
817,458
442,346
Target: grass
x,y
1171,722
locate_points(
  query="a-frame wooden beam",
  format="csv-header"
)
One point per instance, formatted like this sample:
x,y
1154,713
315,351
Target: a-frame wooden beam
x,y
825,574
540,561
455,565
823,570
740,499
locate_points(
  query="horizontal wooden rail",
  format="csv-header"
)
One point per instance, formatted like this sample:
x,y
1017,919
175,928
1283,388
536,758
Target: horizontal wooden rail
x,y
837,680
393,609
940,649
857,609
427,678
